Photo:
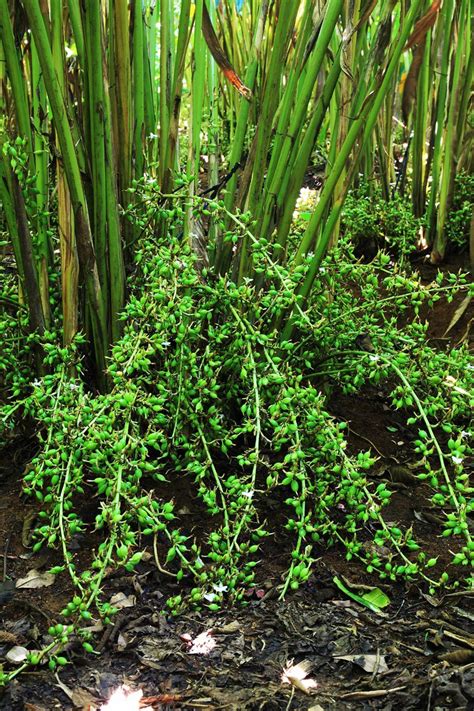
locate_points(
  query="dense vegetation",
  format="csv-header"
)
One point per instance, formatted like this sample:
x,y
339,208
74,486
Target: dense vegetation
x,y
175,308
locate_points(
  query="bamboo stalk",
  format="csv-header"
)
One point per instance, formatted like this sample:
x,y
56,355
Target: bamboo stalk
x,y
71,167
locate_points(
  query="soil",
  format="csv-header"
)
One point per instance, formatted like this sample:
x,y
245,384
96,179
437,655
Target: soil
x,y
418,653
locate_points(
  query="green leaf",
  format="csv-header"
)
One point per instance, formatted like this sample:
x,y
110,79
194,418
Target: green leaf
x,y
375,599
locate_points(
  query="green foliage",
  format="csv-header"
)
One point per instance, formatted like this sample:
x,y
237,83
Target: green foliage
x,y
206,395
372,223
458,221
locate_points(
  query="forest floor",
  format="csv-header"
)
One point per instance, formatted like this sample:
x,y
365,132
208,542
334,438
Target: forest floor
x,y
418,653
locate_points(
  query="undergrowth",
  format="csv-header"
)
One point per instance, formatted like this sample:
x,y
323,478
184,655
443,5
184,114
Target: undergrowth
x,y
203,390
372,223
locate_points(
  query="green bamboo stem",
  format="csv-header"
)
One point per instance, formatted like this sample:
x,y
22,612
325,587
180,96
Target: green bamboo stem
x,y
448,170
270,102
223,252
39,119
165,81
121,97
420,131
138,89
168,161
363,125
288,130
71,167
288,198
92,27
67,237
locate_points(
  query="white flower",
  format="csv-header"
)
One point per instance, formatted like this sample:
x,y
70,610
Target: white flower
x,y
165,344
465,435
73,386
36,383
220,588
374,358
210,597
457,460
248,493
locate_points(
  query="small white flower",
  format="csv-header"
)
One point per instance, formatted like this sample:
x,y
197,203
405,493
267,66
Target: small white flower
x,y
248,493
36,383
210,597
465,435
457,460
165,344
220,588
374,358
73,386
322,270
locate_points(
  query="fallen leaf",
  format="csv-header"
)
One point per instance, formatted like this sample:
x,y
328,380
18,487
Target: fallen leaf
x,y
297,676
376,597
368,662
459,656
81,698
402,475
375,694
458,313
16,655
374,600
34,579
120,600
230,628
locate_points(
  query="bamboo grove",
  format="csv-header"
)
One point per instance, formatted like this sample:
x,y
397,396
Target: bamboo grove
x,y
97,94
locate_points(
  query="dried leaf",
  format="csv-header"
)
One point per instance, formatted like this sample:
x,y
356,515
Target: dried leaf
x,y
411,82
459,656
366,13
230,628
297,676
458,313
368,662
452,383
220,56
35,579
375,694
80,698
16,655
423,25
120,600
402,475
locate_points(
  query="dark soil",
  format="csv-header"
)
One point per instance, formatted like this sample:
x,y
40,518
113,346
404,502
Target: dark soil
x,y
417,654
